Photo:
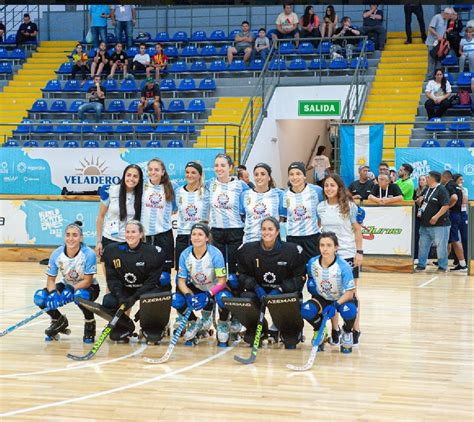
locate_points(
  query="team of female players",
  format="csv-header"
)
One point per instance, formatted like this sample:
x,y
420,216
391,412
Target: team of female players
x,y
135,242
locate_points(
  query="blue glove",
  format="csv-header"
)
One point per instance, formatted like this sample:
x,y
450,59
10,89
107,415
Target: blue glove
x,y
83,294
233,281
360,217
260,291
67,295
165,279
53,301
275,292
330,310
199,301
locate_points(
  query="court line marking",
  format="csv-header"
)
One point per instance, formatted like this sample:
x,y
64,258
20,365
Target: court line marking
x,y
11,311
76,366
428,282
118,389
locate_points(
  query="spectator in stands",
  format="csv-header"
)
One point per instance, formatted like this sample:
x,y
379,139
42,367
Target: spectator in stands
x,y
385,192
321,165
159,61
100,62
362,187
405,183
286,25
96,96
393,176
373,26
418,198
417,10
330,22
243,174
243,43
262,44
453,32
141,61
2,31
27,32
341,40
455,203
80,60
459,180
124,18
98,14
310,25
434,223
150,99
437,91
384,168
466,50
436,32
118,61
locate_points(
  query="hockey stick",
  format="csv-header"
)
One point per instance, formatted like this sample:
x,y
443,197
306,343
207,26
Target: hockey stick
x,y
256,340
23,322
314,349
173,341
103,336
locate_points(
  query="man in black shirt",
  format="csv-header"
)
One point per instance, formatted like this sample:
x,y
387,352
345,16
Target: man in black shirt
x,y
341,41
150,99
373,25
362,188
27,31
385,192
455,215
2,31
96,97
118,61
434,219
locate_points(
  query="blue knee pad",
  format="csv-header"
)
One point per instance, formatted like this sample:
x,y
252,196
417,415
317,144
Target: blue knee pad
x,y
40,297
309,310
311,285
348,311
178,301
233,281
83,294
165,279
222,294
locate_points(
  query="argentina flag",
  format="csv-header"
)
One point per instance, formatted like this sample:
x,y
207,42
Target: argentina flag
x,y
360,146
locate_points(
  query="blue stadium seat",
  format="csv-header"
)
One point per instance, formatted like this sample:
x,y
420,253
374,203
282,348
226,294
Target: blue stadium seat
x,y
11,143
6,68
472,144
237,66
223,50
87,85
256,65
186,127
218,35
111,51
58,106
196,106
199,66
44,126
91,144
110,85
144,127
297,64
207,84
18,54
436,125
39,106
338,63
162,36
461,125
199,36
286,48
142,37
175,144
187,84
151,51
31,144
71,144
449,78
165,129
305,48
189,51
65,68
53,85
133,144
125,127
171,51
116,106
86,128
369,47
112,144
64,126
11,39
3,53
74,107
128,85
233,33
132,52
449,60
218,66
105,129
72,85
22,129
180,36
324,47
276,64
464,78
176,106
111,38
167,85
456,143
51,144
363,63
179,67
209,50
153,144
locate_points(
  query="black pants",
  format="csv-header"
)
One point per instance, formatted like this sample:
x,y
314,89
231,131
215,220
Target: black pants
x,y
417,9
228,241
83,69
94,291
436,112
378,33
315,33
182,242
310,244
166,242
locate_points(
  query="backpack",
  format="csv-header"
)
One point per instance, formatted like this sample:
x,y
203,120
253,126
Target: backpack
x,y
464,97
440,50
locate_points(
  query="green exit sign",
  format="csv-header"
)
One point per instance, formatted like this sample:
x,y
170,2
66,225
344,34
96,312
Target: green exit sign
x,y
319,108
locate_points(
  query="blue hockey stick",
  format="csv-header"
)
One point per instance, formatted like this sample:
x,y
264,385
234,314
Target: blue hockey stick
x,y
23,322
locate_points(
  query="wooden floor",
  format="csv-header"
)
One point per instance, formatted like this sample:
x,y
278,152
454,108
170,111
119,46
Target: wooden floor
x,y
415,363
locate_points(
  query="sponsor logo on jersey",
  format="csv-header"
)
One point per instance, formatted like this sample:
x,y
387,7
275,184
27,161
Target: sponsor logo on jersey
x,y
155,200
282,263
200,278
130,278
140,264
191,212
300,211
269,278
260,209
223,200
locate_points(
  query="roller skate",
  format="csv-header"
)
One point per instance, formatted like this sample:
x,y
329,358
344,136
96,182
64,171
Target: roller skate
x,y
89,331
223,333
324,338
191,333
177,323
346,341
235,329
58,326
273,335
335,339
205,326
152,337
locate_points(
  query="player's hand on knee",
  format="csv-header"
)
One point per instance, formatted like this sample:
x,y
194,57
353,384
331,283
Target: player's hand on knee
x,y
199,301
67,295
53,301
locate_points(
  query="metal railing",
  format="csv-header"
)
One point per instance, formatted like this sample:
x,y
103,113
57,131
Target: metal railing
x,y
12,16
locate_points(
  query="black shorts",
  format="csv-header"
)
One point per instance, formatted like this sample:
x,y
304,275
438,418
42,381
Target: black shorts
x,y
310,244
324,302
355,270
165,241
182,242
138,67
456,222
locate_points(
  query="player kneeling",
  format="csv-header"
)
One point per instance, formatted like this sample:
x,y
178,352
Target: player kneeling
x,y
133,272
332,287
201,278
77,266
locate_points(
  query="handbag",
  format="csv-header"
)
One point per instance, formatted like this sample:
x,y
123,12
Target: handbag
x,y
89,37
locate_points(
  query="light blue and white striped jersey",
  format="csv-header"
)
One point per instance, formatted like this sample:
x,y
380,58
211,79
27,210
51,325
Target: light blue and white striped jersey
x,y
156,210
301,210
73,269
256,206
331,282
225,203
202,272
193,207
332,221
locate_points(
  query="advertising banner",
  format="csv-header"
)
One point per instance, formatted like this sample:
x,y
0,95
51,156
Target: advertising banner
x,y
46,171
